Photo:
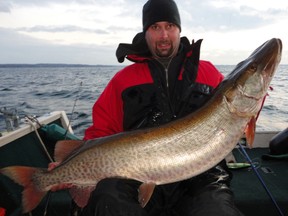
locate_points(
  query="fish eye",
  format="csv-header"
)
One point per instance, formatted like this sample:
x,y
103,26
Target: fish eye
x,y
253,67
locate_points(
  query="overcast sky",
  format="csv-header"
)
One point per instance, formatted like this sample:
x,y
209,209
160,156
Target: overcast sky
x,y
89,31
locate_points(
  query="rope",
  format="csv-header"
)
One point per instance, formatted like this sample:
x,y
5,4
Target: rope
x,y
27,118
36,131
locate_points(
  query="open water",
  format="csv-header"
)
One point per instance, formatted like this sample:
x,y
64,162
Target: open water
x,y
40,89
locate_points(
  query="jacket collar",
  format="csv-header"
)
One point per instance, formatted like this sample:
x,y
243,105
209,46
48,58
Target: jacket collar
x,y
138,51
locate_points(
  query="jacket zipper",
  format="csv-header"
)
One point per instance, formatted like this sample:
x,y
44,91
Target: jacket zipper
x,y
167,75
167,85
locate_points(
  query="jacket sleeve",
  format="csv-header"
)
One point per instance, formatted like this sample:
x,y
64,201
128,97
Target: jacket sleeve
x,y
107,113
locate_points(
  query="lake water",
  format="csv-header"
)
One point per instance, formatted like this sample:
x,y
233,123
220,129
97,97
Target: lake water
x,y
40,89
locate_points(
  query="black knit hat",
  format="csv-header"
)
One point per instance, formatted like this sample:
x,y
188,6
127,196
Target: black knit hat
x,y
160,10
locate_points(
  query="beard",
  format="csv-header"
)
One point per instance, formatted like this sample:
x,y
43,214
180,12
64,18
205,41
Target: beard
x,y
164,53
164,49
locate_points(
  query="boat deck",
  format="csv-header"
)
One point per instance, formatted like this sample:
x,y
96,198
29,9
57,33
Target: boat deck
x,y
251,197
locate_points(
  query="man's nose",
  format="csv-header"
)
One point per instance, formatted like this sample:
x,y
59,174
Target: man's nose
x,y
164,33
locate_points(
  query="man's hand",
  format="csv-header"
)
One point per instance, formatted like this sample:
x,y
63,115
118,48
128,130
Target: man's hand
x,y
53,165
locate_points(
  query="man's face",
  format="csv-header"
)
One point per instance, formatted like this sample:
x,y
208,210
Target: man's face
x,y
163,39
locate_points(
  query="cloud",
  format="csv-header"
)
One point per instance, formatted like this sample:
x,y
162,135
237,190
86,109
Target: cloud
x,y
73,28
61,28
21,48
224,16
25,3
8,5
5,7
93,28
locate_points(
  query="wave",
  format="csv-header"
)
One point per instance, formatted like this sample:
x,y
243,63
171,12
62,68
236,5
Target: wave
x,y
6,89
46,89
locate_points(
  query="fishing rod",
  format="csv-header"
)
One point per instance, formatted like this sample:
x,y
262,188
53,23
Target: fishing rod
x,y
73,110
260,179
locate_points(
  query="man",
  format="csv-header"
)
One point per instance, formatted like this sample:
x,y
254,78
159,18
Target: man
x,y
166,82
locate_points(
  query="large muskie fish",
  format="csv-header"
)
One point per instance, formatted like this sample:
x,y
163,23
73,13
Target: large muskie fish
x,y
173,152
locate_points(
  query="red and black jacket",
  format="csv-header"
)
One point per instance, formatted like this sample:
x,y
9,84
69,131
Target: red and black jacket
x,y
138,96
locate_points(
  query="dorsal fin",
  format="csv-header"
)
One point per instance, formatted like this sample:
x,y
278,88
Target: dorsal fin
x,y
65,147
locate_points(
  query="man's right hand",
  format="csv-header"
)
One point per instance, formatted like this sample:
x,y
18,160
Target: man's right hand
x,y
53,165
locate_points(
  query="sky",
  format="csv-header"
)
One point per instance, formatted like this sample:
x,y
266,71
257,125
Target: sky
x,y
89,31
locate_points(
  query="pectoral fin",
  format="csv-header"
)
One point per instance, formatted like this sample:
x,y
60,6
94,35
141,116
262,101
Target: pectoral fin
x,y
145,193
81,195
250,131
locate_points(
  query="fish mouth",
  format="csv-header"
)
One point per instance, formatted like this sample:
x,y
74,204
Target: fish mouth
x,y
267,57
262,62
264,59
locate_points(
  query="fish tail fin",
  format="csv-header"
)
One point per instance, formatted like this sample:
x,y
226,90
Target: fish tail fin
x,y
31,195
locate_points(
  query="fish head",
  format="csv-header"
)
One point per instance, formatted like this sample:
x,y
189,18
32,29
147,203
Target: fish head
x,y
249,81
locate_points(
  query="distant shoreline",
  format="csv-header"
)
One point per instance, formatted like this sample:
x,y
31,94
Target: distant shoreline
x,y
74,65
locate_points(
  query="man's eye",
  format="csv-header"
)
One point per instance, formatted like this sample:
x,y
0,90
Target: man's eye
x,y
171,25
154,27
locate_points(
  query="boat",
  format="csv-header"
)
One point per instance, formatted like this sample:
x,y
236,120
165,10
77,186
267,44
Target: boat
x,y
261,189
32,144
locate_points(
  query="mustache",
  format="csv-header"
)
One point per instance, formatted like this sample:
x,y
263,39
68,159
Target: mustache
x,y
164,42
